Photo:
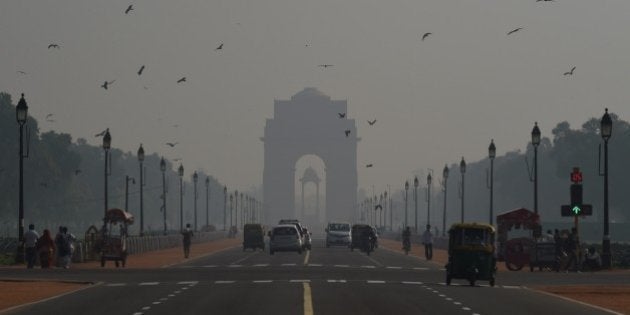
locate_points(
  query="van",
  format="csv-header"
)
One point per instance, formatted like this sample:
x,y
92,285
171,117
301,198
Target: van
x,y
338,234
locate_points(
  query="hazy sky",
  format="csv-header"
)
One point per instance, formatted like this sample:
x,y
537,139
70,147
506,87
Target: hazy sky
x,y
435,100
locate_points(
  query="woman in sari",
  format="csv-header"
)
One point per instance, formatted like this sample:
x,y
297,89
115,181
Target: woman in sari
x,y
46,249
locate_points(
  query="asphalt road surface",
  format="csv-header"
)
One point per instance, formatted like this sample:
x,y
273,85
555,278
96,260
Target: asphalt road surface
x,y
322,281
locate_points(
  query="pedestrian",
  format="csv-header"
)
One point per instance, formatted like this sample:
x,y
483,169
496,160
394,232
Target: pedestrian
x,y
571,247
67,247
188,234
46,249
59,240
30,246
427,240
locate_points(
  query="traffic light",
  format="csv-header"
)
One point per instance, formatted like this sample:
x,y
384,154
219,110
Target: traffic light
x,y
576,195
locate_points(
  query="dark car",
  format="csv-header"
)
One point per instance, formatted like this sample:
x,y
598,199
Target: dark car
x,y
253,237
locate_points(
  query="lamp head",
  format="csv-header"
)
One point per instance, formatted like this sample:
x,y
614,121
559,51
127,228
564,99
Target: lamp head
x,y
536,135
492,150
21,111
606,126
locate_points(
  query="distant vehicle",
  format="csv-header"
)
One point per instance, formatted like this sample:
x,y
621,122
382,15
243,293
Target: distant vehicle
x,y
338,234
300,228
361,238
471,253
253,237
285,237
308,242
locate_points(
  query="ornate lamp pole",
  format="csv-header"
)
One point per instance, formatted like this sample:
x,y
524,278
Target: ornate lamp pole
x,y
406,190
141,160
385,210
195,179
236,208
180,172
462,169
429,180
535,143
606,133
492,152
444,187
231,200
224,207
163,169
415,200
107,144
21,115
207,201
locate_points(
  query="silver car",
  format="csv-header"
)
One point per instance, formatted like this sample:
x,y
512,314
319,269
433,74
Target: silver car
x,y
285,237
338,234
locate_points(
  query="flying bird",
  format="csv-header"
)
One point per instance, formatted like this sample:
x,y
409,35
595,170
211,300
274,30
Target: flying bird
x,y
183,79
369,165
425,36
220,47
325,66
514,30
342,115
371,122
129,9
347,133
141,69
102,133
53,46
21,72
49,115
106,84
378,207
171,144
570,72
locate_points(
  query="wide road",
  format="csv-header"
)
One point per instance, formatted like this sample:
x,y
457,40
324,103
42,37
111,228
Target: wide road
x,y
322,281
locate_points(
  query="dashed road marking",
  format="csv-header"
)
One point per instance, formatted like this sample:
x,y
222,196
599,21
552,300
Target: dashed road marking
x,y
341,266
375,281
146,308
457,303
315,265
148,283
308,255
300,281
164,299
511,287
368,266
235,266
262,281
412,282
138,313
466,308
289,265
115,284
393,267
157,302
420,268
222,282
261,265
335,281
188,282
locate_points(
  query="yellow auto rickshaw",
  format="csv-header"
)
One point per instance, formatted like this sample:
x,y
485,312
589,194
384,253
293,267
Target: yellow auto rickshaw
x,y
471,253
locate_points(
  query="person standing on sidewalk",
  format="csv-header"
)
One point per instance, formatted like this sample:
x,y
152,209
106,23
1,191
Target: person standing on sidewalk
x,y
45,249
427,240
188,234
30,246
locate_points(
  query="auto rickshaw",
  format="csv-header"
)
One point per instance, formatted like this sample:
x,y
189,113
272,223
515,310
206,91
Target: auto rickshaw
x,y
113,243
253,237
359,233
471,253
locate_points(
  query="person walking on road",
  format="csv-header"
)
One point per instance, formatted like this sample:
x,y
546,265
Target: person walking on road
x,y
66,247
188,234
30,246
46,249
427,240
59,245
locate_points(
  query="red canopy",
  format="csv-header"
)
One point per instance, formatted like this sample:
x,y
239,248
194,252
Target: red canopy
x,y
118,215
517,218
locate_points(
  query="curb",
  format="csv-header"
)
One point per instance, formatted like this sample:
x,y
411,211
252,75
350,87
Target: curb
x,y
574,301
46,280
17,307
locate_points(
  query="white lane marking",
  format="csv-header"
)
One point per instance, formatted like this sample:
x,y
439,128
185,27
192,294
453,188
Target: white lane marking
x,y
115,284
171,295
315,265
138,313
336,281
262,281
222,282
374,261
210,266
157,302
260,265
375,281
341,266
420,268
368,266
466,308
185,288
412,282
308,255
442,295
149,283
235,266
300,281
146,308
164,299
288,265
449,299
457,303
510,286
188,282
393,267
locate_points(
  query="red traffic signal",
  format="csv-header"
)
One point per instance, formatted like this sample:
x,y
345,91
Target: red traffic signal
x,y
576,175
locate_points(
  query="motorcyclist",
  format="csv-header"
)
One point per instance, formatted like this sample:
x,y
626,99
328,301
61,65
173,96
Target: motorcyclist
x,y
368,237
406,235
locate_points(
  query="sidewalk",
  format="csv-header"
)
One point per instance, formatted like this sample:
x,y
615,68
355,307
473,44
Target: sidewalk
x,y
23,292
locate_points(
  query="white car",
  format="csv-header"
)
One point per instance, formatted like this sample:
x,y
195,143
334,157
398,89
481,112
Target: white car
x,y
338,234
285,237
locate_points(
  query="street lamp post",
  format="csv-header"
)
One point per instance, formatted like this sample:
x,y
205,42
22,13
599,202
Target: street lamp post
x,y
236,208
127,180
406,190
163,169
385,210
180,172
107,144
231,203
606,133
492,152
445,186
224,207
535,143
195,179
141,160
429,180
207,201
462,169
21,115
415,201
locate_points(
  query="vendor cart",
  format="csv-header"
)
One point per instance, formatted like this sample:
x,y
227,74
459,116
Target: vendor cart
x,y
113,244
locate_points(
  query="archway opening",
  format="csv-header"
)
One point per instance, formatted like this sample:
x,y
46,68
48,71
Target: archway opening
x,y
310,191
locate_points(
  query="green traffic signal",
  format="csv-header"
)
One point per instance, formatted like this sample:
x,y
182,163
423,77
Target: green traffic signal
x,y
576,210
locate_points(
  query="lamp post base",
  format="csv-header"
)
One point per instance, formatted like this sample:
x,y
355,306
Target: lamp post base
x,y
606,255
19,256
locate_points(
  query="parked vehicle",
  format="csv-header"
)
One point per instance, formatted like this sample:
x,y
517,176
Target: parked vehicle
x,y
113,242
338,234
285,237
471,253
253,237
